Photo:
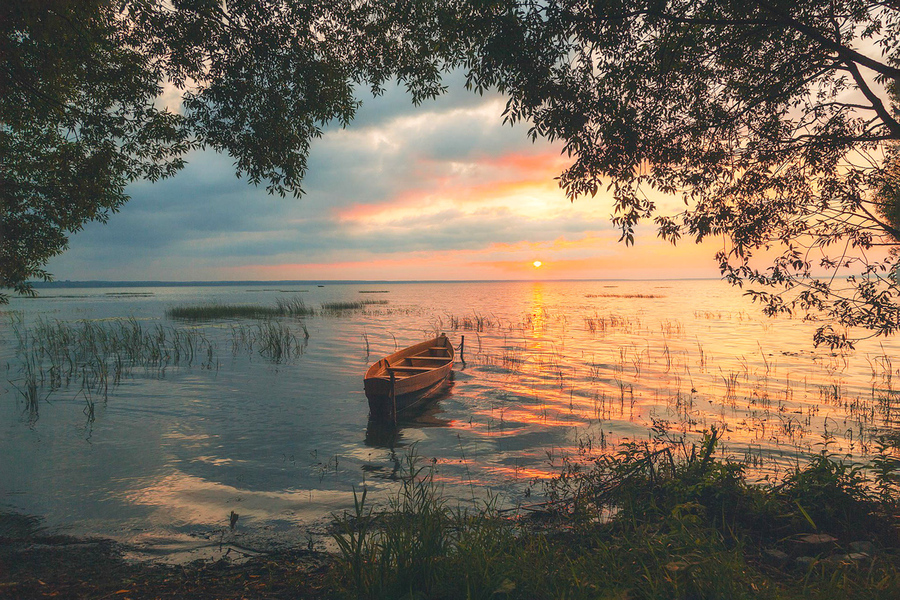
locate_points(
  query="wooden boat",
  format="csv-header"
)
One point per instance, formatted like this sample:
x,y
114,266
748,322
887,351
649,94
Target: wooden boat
x,y
407,377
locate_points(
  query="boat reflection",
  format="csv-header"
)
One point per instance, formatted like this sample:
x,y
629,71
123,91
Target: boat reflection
x,y
389,435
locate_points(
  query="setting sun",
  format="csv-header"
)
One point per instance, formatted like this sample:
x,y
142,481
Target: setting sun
x,y
537,264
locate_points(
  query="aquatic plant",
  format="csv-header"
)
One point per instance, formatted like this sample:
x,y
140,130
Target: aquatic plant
x,y
211,311
276,341
650,296
97,355
292,307
269,338
337,307
399,549
56,354
28,387
474,322
602,324
661,519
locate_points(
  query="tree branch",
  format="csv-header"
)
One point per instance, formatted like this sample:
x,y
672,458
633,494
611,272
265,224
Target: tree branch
x,y
877,104
847,54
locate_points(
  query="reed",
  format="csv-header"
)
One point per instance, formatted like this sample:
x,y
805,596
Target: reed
x,y
338,307
93,355
29,387
602,324
293,307
623,296
659,519
731,385
284,307
213,311
88,405
390,552
269,338
475,322
671,328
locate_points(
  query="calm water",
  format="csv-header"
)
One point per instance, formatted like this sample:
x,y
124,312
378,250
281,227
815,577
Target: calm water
x,y
551,369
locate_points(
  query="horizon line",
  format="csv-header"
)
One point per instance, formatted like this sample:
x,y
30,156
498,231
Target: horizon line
x,y
178,283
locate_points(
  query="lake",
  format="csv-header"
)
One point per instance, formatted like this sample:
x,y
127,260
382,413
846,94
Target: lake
x,y
158,453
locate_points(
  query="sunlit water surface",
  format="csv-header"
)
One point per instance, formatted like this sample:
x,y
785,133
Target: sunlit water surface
x,y
551,370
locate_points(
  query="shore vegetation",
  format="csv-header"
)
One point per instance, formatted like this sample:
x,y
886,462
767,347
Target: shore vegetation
x,y
654,520
660,519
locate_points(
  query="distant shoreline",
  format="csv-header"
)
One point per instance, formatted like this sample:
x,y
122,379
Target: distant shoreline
x,y
120,284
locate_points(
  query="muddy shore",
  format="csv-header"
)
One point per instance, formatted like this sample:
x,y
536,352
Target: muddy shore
x,y
36,563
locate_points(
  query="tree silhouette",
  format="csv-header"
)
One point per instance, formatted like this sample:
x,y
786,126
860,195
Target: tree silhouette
x,y
774,121
81,83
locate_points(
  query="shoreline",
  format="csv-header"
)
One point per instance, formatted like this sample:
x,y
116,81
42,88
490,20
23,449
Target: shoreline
x,y
643,523
35,563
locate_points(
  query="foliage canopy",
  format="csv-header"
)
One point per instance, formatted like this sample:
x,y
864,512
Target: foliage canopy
x,y
82,84
775,121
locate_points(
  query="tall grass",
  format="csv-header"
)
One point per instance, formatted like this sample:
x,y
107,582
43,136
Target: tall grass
x,y
402,551
270,338
337,307
292,307
212,311
624,296
600,324
284,307
392,552
659,520
474,322
95,355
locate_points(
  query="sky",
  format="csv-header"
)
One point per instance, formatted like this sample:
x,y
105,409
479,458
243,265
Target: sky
x,y
442,191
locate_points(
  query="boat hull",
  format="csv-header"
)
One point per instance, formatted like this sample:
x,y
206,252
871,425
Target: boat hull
x,y
418,371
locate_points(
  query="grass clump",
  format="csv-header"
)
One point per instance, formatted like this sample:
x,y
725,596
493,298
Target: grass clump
x,y
412,548
623,296
212,311
475,322
271,339
284,307
97,355
293,307
656,520
599,324
344,306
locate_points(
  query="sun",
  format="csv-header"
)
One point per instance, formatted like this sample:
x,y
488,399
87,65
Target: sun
x,y
537,264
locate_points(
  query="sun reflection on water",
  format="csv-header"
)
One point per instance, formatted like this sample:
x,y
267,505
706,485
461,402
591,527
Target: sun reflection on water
x,y
554,372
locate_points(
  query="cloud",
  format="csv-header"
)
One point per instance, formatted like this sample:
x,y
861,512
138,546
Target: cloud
x,y
399,189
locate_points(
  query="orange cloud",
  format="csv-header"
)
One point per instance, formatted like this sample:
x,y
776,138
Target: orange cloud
x,y
545,163
521,183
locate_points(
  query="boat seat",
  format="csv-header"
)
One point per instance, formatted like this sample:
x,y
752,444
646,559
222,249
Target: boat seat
x,y
428,357
444,348
409,368
396,377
